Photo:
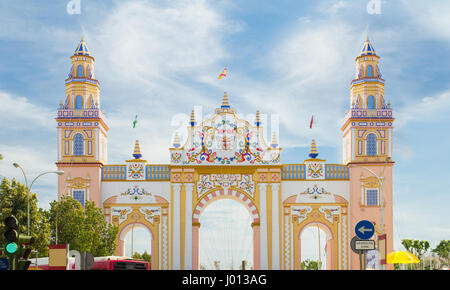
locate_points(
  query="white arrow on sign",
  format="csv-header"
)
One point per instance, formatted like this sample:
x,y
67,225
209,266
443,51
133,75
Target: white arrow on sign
x,y
363,230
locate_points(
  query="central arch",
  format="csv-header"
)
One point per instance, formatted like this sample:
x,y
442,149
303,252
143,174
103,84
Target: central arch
x,y
209,198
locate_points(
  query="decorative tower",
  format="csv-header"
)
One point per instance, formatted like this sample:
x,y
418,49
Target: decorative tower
x,y
81,131
367,150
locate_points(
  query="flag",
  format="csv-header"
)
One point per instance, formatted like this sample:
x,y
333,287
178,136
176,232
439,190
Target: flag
x,y
311,123
223,74
135,122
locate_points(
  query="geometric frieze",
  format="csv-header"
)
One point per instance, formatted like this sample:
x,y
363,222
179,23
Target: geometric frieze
x,y
243,182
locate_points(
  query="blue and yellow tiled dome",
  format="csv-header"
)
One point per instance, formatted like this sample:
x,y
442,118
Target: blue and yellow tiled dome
x,y
82,48
367,48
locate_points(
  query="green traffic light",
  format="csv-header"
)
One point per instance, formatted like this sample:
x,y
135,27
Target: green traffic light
x,y
11,248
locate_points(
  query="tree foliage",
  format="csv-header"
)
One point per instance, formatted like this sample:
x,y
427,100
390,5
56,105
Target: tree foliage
x,y
83,228
443,251
14,201
145,256
310,265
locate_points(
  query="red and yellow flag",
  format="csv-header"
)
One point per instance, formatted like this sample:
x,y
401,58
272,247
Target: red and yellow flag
x,y
223,74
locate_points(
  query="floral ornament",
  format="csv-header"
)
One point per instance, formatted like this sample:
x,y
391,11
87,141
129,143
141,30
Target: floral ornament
x,y
136,193
136,171
315,193
176,157
315,170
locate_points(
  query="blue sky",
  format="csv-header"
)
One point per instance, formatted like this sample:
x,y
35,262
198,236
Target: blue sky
x,y
289,59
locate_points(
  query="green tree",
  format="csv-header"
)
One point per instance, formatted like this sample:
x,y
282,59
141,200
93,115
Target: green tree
x,y
14,201
443,251
83,228
145,256
417,247
310,265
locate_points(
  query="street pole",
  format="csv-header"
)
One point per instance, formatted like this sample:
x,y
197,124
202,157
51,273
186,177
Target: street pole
x,y
16,165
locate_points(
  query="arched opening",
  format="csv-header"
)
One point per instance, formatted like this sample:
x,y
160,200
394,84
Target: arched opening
x,y
138,240
226,236
314,248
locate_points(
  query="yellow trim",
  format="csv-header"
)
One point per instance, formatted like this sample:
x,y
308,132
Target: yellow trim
x,y
269,224
182,224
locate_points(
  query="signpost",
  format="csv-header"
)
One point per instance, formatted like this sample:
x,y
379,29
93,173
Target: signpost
x,y
360,243
364,230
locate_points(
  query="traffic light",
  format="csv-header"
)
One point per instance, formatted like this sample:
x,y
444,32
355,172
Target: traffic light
x,y
11,236
24,251
17,246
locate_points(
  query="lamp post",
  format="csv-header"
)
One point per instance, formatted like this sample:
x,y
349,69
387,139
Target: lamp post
x,y
381,181
16,165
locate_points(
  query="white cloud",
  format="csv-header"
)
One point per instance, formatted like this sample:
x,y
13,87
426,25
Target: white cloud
x,y
18,113
428,109
431,16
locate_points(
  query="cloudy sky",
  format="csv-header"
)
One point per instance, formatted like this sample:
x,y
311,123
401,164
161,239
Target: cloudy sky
x,y
289,59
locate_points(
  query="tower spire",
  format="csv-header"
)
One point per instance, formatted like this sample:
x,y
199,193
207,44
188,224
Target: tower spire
x,y
274,142
313,152
225,103
176,140
192,121
258,119
137,150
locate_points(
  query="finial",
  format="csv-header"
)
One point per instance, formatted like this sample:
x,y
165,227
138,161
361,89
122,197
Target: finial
x,y
258,119
313,153
176,140
137,151
192,122
225,103
274,142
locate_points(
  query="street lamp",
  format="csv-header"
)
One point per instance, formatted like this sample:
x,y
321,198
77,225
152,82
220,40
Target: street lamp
x,y
16,165
381,181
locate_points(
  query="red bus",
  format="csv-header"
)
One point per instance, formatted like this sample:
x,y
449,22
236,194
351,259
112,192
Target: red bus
x,y
100,263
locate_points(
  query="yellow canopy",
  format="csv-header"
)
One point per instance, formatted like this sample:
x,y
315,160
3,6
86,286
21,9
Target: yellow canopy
x,y
401,257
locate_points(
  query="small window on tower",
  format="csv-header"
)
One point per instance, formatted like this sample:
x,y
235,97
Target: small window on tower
x,y
79,102
371,103
78,145
80,71
369,71
79,196
371,149
372,197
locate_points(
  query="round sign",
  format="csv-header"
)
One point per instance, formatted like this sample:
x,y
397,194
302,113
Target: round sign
x,y
364,229
4,264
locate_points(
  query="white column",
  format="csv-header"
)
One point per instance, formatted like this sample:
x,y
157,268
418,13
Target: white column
x,y
263,225
176,226
275,227
188,229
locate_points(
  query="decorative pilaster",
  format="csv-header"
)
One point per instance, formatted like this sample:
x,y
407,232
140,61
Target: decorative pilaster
x,y
275,227
263,226
176,257
188,227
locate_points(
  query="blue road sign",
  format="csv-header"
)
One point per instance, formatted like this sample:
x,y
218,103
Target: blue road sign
x,y
4,264
364,230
